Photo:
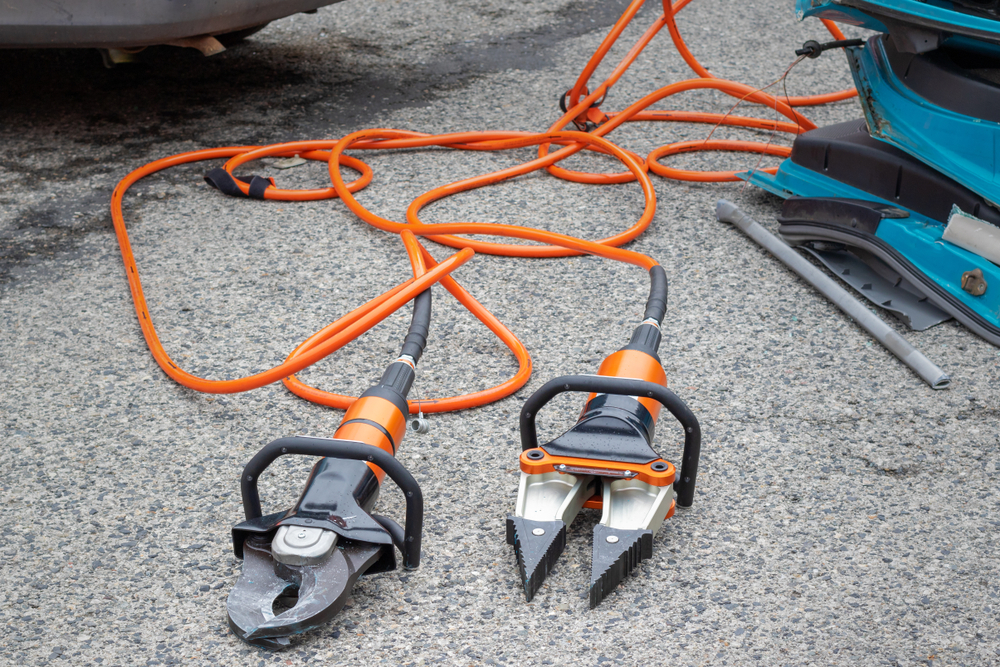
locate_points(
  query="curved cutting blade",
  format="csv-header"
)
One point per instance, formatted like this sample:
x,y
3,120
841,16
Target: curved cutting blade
x,y
323,590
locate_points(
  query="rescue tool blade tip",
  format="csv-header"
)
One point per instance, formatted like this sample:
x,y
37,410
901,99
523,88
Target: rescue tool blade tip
x,y
617,553
537,546
322,590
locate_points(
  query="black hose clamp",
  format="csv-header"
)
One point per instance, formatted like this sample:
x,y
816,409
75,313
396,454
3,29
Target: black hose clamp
x,y
813,49
586,126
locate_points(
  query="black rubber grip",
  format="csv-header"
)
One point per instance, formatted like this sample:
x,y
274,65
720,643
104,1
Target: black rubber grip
x,y
398,377
420,324
394,386
646,338
656,305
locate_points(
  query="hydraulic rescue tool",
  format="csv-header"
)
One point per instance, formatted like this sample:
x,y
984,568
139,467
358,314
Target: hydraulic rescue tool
x,y
312,554
606,461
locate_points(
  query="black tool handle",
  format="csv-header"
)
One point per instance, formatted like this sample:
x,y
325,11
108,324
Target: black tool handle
x,y
625,387
341,449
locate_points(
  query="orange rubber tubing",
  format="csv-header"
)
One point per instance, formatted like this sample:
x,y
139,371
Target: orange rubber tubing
x,y
426,270
636,112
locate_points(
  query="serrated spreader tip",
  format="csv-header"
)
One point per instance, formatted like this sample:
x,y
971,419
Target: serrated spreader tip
x,y
537,547
616,553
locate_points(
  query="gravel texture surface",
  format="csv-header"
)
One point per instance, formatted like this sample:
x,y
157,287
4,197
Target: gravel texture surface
x,y
846,514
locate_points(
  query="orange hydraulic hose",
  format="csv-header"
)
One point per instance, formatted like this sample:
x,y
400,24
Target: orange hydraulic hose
x,y
713,119
710,176
582,109
339,333
602,50
738,90
670,12
358,322
430,405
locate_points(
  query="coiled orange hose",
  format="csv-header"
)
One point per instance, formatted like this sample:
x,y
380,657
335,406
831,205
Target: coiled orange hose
x,y
582,110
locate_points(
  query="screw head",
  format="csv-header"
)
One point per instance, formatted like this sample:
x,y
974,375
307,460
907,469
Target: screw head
x,y
538,532
612,539
301,535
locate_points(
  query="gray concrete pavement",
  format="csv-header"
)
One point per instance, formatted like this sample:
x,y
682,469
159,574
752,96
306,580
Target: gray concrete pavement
x,y
846,514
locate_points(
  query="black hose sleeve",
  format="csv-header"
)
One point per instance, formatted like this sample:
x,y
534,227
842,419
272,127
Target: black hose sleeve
x,y
646,338
222,180
394,385
420,324
656,305
257,187
813,49
398,377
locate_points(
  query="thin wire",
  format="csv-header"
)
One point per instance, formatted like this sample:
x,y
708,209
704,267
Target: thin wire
x,y
770,140
740,101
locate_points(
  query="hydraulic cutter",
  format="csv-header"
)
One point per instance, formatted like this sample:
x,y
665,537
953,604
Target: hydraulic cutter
x,y
307,559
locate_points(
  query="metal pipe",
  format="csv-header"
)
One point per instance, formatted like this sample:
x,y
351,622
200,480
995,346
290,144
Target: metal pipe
x,y
934,377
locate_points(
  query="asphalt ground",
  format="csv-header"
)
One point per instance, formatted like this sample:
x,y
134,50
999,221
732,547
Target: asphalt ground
x,y
845,515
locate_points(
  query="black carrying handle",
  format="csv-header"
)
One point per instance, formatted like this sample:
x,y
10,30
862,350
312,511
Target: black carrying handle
x,y
603,384
342,449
